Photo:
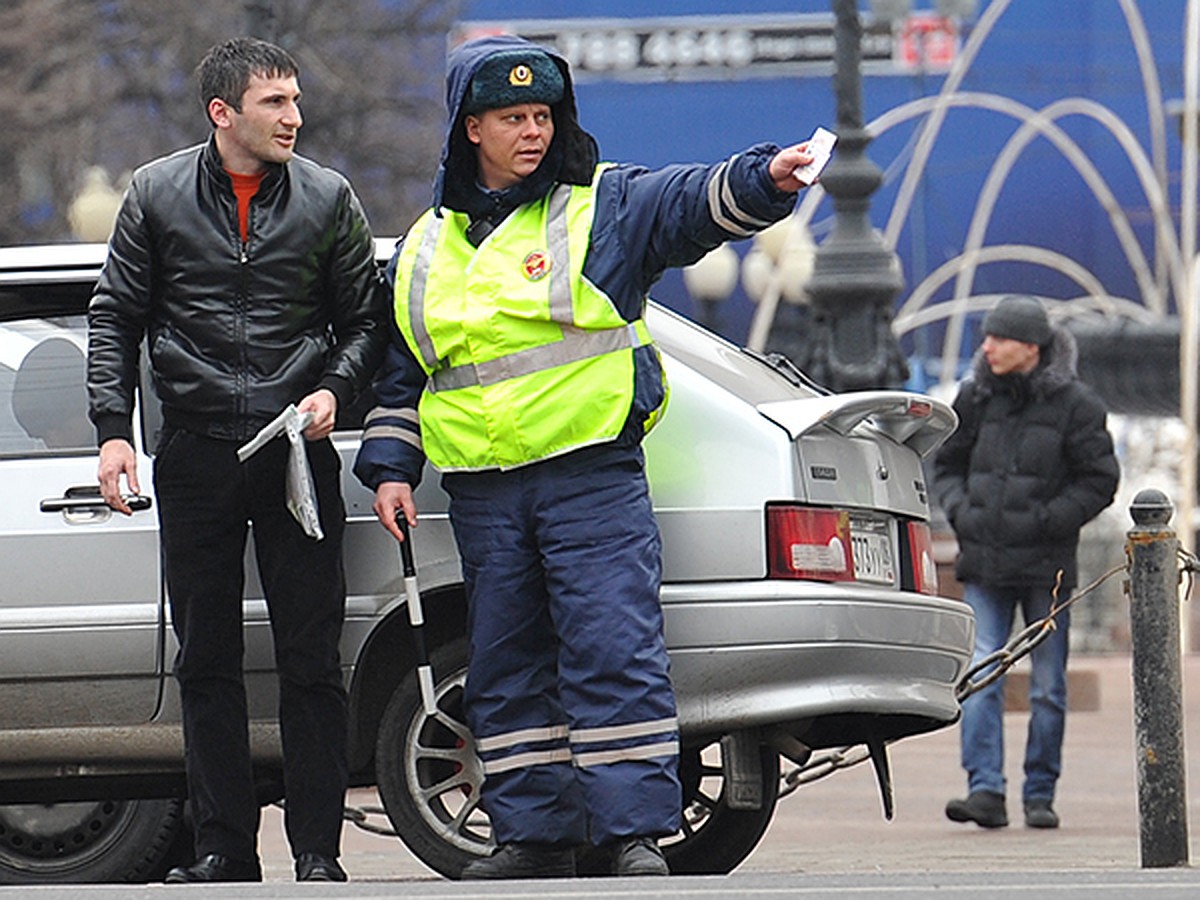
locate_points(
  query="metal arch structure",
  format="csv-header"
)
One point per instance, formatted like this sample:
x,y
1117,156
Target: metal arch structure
x,y
1040,124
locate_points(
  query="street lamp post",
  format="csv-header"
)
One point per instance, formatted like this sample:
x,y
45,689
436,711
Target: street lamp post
x,y
855,276
94,209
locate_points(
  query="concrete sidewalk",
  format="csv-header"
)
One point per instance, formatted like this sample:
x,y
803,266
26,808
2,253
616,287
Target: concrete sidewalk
x,y
836,825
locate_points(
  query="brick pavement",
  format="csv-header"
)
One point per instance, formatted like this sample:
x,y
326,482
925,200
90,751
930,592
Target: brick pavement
x,y
836,825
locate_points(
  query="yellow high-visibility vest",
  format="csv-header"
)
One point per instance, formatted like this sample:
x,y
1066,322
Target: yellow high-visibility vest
x,y
526,359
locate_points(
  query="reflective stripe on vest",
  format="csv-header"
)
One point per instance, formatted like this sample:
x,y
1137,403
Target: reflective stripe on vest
x,y
568,341
577,344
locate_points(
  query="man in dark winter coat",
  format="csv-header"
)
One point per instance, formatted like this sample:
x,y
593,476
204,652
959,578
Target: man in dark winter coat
x,y
522,369
1031,462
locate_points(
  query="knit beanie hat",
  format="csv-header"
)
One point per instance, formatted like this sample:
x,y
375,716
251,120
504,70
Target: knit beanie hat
x,y
511,77
1019,318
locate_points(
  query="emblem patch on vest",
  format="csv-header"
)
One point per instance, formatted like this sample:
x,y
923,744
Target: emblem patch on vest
x,y
537,265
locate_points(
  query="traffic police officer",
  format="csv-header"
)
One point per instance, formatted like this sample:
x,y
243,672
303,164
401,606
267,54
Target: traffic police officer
x,y
522,368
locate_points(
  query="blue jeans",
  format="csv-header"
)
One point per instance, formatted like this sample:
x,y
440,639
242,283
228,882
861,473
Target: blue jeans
x,y
983,712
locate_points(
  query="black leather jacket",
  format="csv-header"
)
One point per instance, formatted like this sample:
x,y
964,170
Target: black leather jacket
x,y
235,331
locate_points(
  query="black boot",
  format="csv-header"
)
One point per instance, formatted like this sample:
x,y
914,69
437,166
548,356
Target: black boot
x,y
523,861
639,856
318,867
1040,814
984,808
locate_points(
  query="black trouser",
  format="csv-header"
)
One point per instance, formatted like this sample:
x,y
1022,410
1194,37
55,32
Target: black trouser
x,y
206,498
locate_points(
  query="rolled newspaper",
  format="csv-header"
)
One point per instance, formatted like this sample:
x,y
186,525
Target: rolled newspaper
x,y
301,498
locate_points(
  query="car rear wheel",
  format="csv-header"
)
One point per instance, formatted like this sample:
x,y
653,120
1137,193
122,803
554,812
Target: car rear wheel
x,y
716,838
427,770
429,780
94,841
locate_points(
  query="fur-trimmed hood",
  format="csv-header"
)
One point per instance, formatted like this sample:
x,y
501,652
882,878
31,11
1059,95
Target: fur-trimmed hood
x,y
1057,367
572,156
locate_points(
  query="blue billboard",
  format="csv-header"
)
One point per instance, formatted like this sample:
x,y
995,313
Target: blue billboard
x,y
1052,160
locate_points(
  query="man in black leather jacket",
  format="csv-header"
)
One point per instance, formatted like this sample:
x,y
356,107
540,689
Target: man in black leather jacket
x,y
251,273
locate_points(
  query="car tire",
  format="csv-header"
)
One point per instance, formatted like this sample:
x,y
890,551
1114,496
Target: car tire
x,y
429,777
716,838
90,842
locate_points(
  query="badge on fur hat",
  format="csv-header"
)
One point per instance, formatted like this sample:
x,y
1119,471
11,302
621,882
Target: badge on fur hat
x,y
537,265
520,76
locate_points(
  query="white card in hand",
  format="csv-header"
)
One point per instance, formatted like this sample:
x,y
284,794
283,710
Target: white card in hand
x,y
820,148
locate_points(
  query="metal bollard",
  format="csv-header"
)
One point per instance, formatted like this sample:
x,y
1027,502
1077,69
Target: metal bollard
x,y
1157,682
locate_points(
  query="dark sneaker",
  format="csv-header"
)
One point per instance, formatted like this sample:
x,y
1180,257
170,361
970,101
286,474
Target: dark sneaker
x,y
315,867
1040,814
640,856
984,808
523,861
215,867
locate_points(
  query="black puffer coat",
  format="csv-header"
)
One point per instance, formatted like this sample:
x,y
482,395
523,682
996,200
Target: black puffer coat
x,y
1030,463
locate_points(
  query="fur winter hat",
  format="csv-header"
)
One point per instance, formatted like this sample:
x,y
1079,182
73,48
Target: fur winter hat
x,y
511,77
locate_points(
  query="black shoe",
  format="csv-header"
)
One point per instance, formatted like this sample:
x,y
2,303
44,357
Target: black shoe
x,y
215,867
315,867
523,861
640,856
984,808
1040,814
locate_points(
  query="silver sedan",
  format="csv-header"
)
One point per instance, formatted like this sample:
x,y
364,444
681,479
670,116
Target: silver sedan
x,y
799,596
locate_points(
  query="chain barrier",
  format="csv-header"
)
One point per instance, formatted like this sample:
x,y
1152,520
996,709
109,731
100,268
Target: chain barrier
x,y
825,763
1190,564
820,765
359,817
1027,639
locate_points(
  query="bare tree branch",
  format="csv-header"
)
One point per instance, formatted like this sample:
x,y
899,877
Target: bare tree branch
x,y
111,84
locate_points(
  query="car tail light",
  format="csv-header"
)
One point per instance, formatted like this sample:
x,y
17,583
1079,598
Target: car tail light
x,y
920,545
809,543
919,409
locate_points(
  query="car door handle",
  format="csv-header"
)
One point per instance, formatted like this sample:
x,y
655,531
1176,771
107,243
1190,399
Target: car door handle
x,y
87,497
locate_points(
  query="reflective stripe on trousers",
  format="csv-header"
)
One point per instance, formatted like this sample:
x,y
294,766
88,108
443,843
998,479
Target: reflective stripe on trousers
x,y
588,747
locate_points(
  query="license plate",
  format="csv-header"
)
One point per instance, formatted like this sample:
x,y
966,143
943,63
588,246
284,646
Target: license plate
x,y
871,545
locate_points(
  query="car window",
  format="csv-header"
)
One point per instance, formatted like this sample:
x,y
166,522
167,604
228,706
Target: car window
x,y
43,396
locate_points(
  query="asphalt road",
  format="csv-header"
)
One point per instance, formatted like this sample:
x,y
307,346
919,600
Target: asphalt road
x,y
1173,884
